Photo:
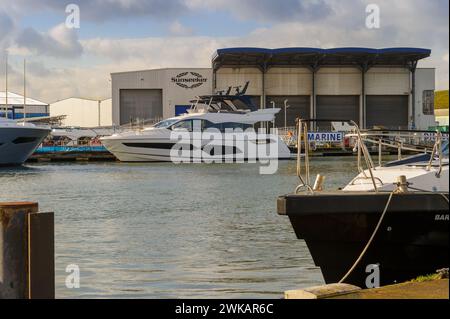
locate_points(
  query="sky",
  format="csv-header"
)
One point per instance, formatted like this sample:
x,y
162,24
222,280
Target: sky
x,y
123,35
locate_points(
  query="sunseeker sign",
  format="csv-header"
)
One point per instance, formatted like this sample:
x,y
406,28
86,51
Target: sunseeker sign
x,y
189,80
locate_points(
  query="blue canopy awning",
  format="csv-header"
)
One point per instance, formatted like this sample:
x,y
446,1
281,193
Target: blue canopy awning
x,y
311,57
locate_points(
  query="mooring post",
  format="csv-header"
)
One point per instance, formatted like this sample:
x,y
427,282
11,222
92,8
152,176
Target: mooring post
x,y
26,252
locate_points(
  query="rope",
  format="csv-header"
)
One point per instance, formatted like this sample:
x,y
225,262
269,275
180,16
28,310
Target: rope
x,y
446,198
370,240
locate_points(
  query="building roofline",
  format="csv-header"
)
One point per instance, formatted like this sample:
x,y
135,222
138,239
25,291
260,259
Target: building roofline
x,y
317,57
82,98
20,96
160,69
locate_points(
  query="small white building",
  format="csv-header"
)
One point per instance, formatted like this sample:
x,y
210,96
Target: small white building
x,y
83,112
15,105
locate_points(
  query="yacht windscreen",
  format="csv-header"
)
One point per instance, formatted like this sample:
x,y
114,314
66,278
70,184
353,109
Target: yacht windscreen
x,y
445,148
165,123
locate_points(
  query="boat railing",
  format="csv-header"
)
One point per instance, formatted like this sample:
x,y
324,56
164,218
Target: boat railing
x,y
437,151
138,124
303,139
362,139
287,134
365,163
378,139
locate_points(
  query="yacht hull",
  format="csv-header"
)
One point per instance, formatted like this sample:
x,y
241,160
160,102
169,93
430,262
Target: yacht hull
x,y
413,238
160,150
17,144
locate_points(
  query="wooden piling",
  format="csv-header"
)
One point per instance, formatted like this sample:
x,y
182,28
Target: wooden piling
x,y
26,245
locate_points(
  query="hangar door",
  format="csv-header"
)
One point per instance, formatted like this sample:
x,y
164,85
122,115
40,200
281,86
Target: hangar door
x,y
387,111
336,107
140,105
299,106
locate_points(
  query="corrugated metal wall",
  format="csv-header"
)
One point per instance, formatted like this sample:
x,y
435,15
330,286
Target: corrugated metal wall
x,y
389,111
336,107
140,105
299,106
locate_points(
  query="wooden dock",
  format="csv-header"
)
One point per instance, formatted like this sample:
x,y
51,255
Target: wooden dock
x,y
72,154
434,289
72,157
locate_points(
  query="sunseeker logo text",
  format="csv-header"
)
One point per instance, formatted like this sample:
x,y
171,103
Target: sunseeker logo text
x,y
189,80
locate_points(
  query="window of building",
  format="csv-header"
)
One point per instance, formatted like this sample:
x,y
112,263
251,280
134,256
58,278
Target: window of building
x,y
428,102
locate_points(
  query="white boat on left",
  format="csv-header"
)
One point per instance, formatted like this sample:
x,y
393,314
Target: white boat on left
x,y
18,141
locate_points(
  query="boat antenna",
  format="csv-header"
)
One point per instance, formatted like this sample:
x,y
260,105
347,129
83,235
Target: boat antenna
x,y
24,90
6,91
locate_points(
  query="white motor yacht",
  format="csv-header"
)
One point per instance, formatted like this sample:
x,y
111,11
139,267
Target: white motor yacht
x,y
224,135
18,141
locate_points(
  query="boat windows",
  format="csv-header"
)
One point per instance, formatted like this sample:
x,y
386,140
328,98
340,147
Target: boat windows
x,y
221,150
24,140
165,123
222,127
184,125
162,146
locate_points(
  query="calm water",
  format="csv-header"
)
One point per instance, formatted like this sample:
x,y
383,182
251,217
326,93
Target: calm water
x,y
172,231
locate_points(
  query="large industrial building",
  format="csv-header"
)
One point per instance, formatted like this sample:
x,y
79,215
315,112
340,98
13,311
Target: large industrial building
x,y
83,112
373,87
14,104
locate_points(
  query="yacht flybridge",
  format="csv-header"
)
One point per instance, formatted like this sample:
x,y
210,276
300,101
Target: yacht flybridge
x,y
18,141
389,224
226,133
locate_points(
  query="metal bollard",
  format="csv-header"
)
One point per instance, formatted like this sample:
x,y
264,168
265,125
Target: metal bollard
x,y
27,268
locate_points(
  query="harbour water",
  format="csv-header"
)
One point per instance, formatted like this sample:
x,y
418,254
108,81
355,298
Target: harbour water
x,y
172,231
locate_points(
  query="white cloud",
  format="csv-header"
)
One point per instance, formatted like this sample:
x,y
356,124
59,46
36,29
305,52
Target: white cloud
x,y
60,42
268,10
101,10
7,28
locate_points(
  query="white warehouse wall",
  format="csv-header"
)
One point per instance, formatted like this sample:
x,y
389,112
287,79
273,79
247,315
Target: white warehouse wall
x,y
338,81
106,112
388,81
425,80
172,94
289,81
81,112
226,77
176,95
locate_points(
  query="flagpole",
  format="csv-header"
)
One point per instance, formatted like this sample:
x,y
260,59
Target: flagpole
x,y
24,90
6,92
